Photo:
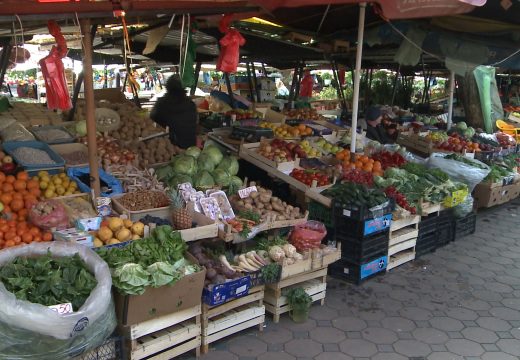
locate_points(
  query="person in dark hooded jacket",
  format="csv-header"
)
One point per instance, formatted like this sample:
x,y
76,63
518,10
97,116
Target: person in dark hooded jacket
x,y
176,110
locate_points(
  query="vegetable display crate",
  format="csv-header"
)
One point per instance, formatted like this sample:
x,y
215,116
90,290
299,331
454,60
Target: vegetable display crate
x,y
358,273
445,231
321,213
205,228
400,258
162,212
165,337
320,260
232,317
426,243
313,282
50,171
111,349
10,146
39,130
488,195
360,229
251,151
465,226
359,251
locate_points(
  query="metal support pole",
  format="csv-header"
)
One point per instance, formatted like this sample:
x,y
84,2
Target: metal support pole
x,y
450,101
4,60
90,107
197,72
255,82
230,91
394,89
357,75
250,82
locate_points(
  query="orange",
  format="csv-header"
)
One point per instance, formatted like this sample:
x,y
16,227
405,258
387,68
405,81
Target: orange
x,y
2,177
17,205
9,243
367,168
359,164
10,179
47,236
364,159
308,131
340,155
27,238
34,231
22,175
7,187
17,195
6,199
17,239
301,127
37,238
33,184
9,235
36,192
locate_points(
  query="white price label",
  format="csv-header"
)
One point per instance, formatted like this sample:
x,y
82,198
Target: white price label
x,y
243,193
62,308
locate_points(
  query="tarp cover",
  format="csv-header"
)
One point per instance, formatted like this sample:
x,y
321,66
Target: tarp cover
x,y
390,9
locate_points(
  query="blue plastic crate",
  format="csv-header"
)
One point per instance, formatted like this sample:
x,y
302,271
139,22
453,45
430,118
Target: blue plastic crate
x,y
10,146
221,293
37,130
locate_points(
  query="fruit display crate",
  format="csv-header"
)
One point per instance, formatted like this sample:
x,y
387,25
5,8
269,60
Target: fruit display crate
x,y
345,226
314,282
401,257
232,317
402,241
358,273
11,146
465,226
165,337
321,213
426,243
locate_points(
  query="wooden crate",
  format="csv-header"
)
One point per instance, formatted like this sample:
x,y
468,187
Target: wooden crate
x,y
403,230
314,282
232,317
251,150
299,267
165,337
319,262
415,143
400,258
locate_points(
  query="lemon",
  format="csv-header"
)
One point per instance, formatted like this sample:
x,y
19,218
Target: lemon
x,y
68,192
49,194
43,173
43,185
63,176
65,183
45,178
57,181
73,185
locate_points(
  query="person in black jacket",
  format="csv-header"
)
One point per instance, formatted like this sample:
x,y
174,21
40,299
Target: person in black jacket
x,y
375,131
176,110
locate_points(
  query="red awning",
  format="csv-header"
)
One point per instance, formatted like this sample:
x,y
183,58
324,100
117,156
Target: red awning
x,y
390,9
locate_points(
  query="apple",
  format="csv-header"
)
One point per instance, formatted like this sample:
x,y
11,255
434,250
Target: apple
x,y
8,167
7,160
1,207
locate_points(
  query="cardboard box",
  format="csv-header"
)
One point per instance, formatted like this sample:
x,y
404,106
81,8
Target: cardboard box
x,y
81,237
488,195
219,294
157,302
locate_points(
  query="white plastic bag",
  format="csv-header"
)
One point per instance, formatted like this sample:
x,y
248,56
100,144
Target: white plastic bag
x,y
459,171
29,330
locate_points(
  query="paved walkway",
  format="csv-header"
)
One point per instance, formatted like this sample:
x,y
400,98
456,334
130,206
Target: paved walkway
x,y
461,302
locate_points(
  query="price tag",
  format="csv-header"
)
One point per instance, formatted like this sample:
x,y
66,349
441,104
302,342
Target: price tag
x,y
62,308
243,193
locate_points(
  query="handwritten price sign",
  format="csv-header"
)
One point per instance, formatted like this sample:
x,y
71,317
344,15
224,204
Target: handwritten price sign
x,y
62,308
243,193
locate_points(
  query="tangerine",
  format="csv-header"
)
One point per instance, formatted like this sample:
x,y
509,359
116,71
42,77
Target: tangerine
x,y
23,175
7,187
10,179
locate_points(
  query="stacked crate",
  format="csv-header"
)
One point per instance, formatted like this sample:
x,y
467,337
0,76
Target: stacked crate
x,y
402,241
364,243
435,230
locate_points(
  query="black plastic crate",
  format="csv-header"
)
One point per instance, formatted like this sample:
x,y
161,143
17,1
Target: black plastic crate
x,y
348,227
426,244
111,349
358,273
361,212
321,213
465,226
352,249
445,233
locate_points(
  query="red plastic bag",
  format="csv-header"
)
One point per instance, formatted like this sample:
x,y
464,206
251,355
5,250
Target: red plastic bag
x,y
58,96
48,215
308,236
229,46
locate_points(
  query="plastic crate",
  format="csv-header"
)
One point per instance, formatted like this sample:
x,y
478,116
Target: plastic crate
x,y
362,212
426,244
465,226
10,146
348,227
360,252
321,213
445,234
358,273
111,349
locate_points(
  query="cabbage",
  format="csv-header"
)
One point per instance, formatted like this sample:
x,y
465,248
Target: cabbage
x,y
229,164
235,181
193,151
81,128
184,164
469,132
214,153
462,125
204,180
179,179
221,177
205,162
164,172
